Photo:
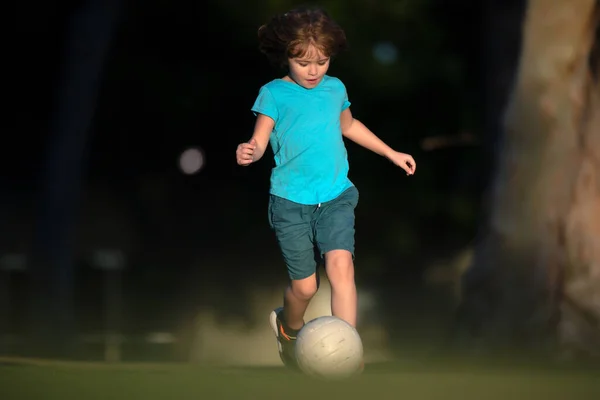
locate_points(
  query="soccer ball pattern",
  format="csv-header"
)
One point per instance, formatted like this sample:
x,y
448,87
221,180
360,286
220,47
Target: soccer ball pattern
x,y
328,347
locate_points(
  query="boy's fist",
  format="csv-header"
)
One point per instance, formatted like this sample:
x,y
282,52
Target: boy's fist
x,y
245,153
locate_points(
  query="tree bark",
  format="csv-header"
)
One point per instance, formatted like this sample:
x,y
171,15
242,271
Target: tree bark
x,y
537,266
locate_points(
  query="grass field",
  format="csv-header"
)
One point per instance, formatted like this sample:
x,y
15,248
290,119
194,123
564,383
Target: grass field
x,y
48,380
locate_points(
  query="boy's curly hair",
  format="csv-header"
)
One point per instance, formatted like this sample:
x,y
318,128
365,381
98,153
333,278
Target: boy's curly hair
x,y
289,35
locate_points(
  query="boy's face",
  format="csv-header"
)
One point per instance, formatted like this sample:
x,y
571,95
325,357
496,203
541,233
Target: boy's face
x,y
309,69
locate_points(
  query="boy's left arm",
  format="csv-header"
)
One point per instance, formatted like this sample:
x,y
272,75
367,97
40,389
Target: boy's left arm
x,y
356,131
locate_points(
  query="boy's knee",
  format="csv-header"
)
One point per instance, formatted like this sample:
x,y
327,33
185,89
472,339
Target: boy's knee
x,y
306,288
340,267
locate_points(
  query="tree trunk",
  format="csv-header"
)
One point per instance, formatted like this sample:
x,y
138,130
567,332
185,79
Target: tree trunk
x,y
535,278
89,34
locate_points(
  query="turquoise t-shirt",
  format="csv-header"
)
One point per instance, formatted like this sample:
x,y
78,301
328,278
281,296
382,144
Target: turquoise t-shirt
x,y
311,162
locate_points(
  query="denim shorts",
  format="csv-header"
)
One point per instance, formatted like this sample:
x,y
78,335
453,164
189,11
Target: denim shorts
x,y
306,232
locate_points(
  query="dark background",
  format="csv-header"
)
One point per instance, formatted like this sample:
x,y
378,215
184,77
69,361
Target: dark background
x,y
179,75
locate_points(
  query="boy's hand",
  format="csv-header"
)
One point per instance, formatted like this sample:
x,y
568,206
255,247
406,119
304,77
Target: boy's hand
x,y
404,161
245,152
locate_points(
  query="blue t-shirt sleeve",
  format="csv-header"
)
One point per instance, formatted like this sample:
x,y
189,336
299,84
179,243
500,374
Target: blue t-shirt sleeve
x,y
265,104
346,103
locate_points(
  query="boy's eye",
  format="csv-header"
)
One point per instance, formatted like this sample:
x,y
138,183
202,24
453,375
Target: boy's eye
x,y
302,64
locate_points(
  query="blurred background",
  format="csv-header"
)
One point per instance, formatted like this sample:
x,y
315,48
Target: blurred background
x,y
127,230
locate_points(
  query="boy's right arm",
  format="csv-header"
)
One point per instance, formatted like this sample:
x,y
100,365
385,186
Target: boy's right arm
x,y
253,150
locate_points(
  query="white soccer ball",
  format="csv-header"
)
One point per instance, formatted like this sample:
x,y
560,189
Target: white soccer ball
x,y
329,347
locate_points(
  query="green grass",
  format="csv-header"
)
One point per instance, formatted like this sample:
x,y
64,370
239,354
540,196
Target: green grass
x,y
47,380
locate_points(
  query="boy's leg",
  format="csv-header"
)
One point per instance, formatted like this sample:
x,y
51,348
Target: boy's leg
x,y
287,321
340,272
339,265
292,225
335,237
296,299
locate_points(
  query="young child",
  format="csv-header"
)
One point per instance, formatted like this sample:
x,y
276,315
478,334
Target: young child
x,y
304,116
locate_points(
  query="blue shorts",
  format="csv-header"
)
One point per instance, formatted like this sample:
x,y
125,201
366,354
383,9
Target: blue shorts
x,y
306,231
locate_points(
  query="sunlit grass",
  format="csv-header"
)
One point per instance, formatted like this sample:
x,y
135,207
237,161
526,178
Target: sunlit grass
x,y
38,379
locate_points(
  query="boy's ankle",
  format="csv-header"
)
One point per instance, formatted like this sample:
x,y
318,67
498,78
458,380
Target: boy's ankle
x,y
289,331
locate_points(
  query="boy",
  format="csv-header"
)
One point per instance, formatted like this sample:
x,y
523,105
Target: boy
x,y
304,116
